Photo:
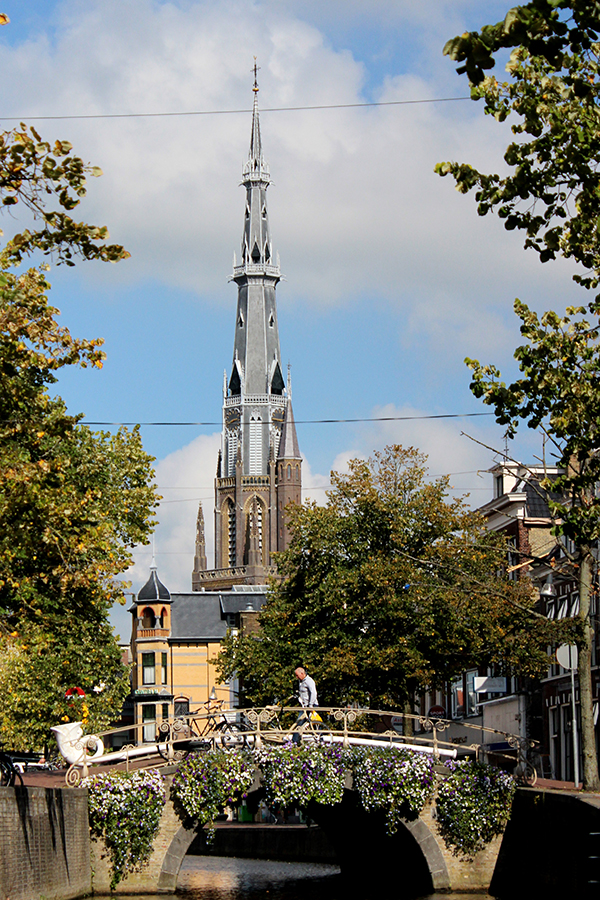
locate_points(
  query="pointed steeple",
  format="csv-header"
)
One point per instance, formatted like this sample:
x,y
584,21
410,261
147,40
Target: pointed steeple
x,y
288,443
200,551
255,154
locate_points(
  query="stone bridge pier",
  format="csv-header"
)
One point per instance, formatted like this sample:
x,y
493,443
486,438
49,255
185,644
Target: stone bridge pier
x,y
415,860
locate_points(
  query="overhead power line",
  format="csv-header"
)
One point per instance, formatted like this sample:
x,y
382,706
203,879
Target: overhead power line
x,y
225,112
312,421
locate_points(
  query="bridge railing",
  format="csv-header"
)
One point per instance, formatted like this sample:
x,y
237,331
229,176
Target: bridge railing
x,y
215,726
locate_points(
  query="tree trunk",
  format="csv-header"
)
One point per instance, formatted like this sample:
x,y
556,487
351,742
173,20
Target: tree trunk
x,y
591,780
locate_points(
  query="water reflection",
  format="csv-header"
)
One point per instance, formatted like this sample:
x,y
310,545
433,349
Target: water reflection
x,y
224,878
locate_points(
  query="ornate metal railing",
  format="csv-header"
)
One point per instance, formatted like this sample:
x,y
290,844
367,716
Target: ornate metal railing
x,y
214,726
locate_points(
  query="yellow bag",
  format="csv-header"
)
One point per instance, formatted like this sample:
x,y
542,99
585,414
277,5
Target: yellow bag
x,y
315,717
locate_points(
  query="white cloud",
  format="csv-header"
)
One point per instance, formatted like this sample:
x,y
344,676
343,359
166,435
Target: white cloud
x,y
184,478
356,208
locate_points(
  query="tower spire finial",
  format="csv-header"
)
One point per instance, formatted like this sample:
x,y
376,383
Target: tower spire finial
x,y
255,154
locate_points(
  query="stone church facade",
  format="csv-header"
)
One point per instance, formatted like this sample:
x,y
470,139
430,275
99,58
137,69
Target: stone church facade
x,y
259,468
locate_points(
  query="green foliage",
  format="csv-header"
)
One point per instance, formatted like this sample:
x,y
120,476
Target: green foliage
x,y
125,811
72,502
296,774
391,586
49,182
554,90
559,394
396,781
473,806
41,662
206,782
552,195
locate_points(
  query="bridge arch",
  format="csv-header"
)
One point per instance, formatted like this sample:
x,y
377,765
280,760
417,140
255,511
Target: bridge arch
x,y
174,856
354,834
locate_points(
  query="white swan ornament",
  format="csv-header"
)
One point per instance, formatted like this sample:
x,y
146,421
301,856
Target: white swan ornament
x,y
76,748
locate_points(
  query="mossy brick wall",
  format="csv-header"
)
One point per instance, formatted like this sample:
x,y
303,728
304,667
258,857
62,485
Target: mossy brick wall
x,y
44,844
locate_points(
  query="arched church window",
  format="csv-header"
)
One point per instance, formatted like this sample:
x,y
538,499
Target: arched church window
x,y
289,473
297,471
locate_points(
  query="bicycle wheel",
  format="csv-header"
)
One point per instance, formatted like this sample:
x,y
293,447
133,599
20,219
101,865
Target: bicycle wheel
x,y
7,773
232,736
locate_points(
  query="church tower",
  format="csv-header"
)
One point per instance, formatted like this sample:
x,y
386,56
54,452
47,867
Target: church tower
x,y
259,464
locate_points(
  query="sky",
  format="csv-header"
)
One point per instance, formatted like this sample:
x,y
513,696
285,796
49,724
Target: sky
x,y
390,277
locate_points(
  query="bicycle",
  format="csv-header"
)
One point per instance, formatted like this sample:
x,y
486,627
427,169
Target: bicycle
x,y
185,732
9,774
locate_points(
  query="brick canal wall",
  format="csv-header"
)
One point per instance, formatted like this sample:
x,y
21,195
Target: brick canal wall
x,y
44,844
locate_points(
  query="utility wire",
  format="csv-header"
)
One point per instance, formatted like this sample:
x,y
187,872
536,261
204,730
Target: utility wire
x,y
312,421
221,112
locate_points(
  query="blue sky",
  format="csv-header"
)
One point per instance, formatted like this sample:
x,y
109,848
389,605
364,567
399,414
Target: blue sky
x,y
391,277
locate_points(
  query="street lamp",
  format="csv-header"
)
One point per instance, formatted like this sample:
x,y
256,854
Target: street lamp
x,y
548,591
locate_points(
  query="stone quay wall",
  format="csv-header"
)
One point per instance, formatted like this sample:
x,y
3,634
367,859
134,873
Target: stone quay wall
x,y
44,844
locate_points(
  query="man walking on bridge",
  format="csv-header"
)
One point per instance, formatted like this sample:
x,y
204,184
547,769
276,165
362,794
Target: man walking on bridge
x,y
307,695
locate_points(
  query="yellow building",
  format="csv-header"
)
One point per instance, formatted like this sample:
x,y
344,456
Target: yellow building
x,y
175,640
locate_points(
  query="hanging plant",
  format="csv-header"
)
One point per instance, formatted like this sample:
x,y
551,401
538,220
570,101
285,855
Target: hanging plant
x,y
397,781
207,782
125,811
296,774
473,806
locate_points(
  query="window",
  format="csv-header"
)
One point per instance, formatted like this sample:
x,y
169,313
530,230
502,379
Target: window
x,y
231,532
289,473
165,712
182,707
457,698
255,446
231,446
498,485
149,722
163,668
148,670
148,618
471,695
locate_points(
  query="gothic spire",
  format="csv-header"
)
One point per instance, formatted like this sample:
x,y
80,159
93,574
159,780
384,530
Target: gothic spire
x,y
256,368
288,443
200,548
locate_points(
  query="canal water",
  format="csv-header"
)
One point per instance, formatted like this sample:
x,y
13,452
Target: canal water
x,y
225,878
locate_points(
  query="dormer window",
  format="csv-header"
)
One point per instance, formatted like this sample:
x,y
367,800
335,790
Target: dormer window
x,y
498,485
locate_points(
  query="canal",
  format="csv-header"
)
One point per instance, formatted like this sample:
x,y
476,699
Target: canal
x,y
226,878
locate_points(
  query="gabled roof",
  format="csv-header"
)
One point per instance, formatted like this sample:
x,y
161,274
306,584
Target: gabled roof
x,y
201,615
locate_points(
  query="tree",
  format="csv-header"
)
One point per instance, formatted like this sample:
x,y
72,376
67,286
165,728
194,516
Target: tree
x,y
72,502
552,194
391,587
554,90
559,394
